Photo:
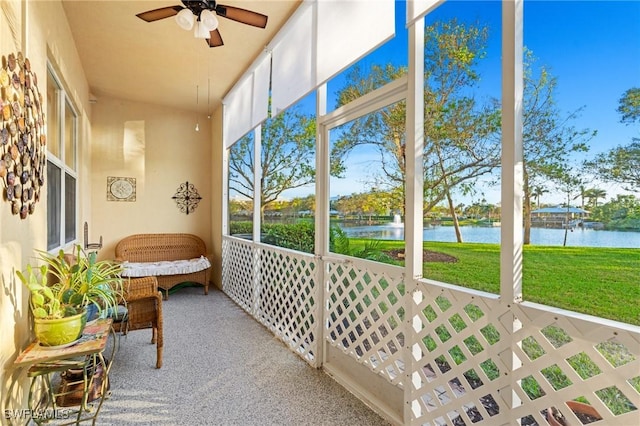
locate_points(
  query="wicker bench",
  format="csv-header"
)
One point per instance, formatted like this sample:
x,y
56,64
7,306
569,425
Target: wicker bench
x,y
151,249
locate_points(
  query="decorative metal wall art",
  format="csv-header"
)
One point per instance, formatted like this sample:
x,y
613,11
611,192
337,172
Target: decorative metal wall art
x,y
22,135
121,188
187,197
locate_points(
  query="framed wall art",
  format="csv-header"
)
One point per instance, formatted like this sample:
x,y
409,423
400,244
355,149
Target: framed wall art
x,y
121,188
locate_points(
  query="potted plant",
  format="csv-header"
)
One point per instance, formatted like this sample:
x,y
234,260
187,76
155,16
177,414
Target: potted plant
x,y
55,321
95,285
64,287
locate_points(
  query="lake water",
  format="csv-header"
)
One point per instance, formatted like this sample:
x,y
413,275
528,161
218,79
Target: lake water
x,y
474,234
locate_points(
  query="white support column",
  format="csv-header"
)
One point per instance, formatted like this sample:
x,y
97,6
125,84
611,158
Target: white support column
x,y
413,222
321,217
225,190
257,179
322,176
512,159
511,237
225,176
257,217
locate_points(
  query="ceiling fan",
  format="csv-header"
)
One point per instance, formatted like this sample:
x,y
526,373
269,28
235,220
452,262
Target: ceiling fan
x,y
203,13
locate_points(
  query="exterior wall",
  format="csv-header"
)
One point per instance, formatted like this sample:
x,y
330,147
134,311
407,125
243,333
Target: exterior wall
x,y
162,152
40,31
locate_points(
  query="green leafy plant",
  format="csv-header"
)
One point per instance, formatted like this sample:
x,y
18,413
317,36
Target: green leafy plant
x,y
66,284
370,250
90,281
46,301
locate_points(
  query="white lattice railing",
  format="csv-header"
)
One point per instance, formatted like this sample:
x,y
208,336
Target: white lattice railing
x,y
572,358
278,287
239,262
460,354
365,314
473,359
472,351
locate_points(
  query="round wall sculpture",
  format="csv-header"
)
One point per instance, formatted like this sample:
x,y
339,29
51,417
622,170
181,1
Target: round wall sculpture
x,y
22,135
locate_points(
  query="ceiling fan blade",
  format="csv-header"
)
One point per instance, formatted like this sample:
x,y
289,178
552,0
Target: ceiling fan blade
x,y
157,14
242,15
215,39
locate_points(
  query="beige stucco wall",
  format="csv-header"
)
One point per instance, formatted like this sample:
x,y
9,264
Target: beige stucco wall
x,y
38,29
160,148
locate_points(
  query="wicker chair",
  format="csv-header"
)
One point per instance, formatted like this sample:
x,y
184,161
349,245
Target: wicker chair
x,y
144,310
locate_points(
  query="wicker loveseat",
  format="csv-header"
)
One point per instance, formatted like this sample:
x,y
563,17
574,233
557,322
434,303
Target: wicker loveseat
x,y
171,258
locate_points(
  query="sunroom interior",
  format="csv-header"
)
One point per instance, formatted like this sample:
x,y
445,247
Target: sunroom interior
x,y
162,109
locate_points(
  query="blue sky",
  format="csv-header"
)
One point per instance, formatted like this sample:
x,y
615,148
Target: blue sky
x,y
592,47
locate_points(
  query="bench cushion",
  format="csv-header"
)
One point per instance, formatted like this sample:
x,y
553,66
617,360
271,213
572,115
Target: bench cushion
x,y
166,267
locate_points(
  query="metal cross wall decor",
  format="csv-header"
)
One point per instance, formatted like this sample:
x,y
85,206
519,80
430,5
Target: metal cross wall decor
x,y
187,197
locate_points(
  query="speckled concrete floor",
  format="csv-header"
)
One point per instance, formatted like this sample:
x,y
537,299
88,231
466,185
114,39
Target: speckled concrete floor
x,y
221,367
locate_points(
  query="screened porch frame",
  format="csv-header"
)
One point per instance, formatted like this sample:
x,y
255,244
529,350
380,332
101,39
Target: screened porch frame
x,y
391,358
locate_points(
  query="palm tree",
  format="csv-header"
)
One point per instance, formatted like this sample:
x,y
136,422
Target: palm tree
x,y
583,193
537,192
594,194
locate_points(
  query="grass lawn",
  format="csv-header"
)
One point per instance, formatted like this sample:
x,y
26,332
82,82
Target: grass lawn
x,y
603,282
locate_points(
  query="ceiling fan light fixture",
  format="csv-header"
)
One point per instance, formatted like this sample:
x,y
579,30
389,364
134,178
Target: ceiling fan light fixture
x,y
185,19
201,31
208,19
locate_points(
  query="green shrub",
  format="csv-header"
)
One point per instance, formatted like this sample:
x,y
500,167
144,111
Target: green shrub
x,y
301,236
626,223
297,236
371,250
240,227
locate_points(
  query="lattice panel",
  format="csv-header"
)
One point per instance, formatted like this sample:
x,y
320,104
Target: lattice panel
x,y
364,316
238,272
467,362
578,370
460,343
287,296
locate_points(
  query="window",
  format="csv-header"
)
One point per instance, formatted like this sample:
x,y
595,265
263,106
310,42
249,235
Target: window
x,y
241,186
62,136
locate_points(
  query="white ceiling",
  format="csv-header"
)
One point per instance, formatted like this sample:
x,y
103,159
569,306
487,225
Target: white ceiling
x,y
158,62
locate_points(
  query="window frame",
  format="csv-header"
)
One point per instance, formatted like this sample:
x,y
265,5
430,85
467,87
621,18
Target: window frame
x,y
58,212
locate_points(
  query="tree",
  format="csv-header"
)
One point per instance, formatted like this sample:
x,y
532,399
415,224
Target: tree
x,y
629,106
383,130
622,212
460,134
537,192
370,203
548,137
594,194
287,157
461,141
240,207
622,163
570,184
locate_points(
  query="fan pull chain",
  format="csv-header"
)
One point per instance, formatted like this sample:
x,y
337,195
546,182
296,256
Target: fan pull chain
x,y
197,121
208,97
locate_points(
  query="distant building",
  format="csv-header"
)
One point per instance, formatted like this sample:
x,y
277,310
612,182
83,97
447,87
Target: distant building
x,y
556,217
